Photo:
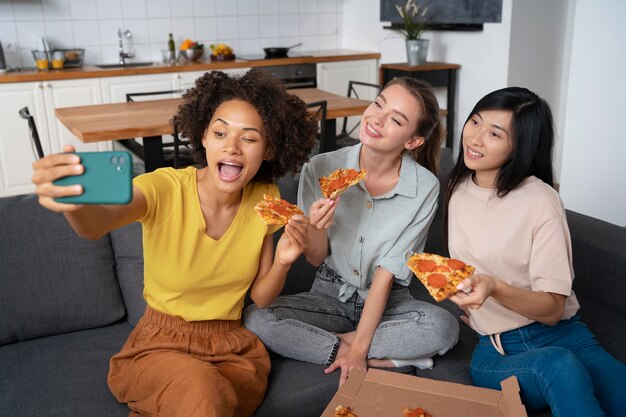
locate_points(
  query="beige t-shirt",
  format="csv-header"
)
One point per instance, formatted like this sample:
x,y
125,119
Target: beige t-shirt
x,y
522,239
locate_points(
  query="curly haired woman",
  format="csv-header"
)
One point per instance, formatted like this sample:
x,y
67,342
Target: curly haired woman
x,y
204,247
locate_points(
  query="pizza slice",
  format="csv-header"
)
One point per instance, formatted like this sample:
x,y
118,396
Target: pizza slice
x,y
440,275
416,412
339,181
276,211
341,411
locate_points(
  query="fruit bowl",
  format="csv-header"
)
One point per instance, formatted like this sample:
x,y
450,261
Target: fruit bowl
x,y
192,54
222,57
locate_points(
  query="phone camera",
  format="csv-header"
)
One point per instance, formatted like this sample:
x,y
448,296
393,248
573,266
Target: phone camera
x,y
118,162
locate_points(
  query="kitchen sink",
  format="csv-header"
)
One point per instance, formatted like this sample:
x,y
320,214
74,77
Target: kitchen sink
x,y
126,65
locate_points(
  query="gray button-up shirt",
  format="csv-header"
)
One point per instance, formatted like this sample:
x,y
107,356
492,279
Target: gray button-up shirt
x,y
370,232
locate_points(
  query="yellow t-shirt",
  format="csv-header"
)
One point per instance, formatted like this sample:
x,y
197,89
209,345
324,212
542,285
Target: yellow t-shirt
x,y
187,273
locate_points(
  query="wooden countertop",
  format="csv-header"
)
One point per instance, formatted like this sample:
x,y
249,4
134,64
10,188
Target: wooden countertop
x,y
202,65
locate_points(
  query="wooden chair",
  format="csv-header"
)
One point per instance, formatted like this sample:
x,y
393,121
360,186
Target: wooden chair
x,y
34,135
319,114
345,137
181,155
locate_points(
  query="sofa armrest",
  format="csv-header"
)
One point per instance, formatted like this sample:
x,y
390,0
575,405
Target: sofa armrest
x,y
599,252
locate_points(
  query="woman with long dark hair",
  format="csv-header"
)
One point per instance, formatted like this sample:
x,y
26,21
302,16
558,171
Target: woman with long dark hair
x,y
504,217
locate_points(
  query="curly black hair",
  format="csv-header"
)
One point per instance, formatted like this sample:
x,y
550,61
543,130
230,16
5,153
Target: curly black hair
x,y
291,130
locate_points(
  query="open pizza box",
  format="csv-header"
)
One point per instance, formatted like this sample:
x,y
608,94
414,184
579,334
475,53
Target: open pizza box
x,y
386,394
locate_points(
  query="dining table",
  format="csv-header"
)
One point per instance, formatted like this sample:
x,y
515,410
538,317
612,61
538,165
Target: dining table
x,y
150,120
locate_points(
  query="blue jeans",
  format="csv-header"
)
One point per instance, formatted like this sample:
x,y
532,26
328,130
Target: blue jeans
x,y
560,366
303,326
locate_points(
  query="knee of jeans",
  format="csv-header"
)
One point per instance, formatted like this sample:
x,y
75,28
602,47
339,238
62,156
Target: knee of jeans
x,y
444,330
563,362
256,319
558,356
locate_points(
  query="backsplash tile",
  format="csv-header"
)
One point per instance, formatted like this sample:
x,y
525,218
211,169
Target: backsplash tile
x,y
246,25
109,9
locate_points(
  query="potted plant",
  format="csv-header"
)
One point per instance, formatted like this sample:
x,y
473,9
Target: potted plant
x,y
414,23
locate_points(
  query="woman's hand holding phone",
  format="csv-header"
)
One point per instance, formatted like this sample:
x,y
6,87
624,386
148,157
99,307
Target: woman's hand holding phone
x,y
65,181
51,168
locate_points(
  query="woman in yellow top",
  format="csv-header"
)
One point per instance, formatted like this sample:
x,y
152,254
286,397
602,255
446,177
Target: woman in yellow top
x,y
204,247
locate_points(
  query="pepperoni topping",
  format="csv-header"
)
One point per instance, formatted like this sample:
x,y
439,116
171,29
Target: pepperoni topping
x,y
351,174
456,264
281,210
425,265
437,280
441,268
336,184
418,412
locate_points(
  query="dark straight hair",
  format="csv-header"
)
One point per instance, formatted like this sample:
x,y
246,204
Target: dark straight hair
x,y
532,132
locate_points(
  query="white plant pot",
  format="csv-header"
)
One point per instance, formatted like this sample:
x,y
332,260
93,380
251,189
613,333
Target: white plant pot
x,y
416,51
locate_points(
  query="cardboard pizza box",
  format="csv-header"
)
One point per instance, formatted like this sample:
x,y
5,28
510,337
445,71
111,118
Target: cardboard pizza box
x,y
386,394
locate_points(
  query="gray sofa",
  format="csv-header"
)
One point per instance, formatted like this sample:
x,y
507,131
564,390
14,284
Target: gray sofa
x,y
67,305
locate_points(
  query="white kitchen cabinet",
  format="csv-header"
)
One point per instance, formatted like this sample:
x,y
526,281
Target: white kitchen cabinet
x,y
70,93
334,77
114,89
16,154
187,80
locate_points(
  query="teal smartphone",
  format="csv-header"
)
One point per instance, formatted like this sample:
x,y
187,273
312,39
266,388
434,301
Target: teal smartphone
x,y
107,179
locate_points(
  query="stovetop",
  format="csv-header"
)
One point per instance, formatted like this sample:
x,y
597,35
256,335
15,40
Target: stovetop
x,y
263,56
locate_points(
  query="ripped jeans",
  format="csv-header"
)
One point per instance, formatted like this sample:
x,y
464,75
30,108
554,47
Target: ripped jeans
x,y
303,326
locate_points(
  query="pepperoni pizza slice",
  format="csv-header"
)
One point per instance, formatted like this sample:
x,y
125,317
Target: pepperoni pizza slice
x,y
339,181
341,411
416,412
440,275
276,211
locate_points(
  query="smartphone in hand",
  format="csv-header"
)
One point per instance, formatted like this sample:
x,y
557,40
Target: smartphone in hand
x,y
107,179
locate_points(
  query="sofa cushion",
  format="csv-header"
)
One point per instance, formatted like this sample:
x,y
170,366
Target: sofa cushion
x,y
62,375
297,389
52,281
128,250
598,250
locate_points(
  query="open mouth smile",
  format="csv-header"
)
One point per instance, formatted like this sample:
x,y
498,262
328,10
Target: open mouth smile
x,y
229,171
370,131
473,154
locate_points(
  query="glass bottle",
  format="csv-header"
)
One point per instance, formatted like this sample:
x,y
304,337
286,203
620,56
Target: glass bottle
x,y
171,48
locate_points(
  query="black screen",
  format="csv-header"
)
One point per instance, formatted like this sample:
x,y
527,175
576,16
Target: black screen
x,y
448,11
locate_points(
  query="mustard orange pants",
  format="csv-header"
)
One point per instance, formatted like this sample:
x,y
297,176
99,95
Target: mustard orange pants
x,y
169,367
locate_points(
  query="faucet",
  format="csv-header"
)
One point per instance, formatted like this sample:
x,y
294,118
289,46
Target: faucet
x,y
124,55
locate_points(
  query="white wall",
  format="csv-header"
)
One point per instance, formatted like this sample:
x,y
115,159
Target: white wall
x,y
593,168
246,25
571,52
483,56
537,57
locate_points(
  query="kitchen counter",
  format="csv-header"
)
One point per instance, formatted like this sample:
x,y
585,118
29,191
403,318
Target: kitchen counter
x,y
205,63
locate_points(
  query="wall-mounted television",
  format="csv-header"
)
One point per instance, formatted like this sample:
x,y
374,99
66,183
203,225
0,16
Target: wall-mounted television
x,y
448,14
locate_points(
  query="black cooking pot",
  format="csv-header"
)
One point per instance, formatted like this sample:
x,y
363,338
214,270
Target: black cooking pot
x,y
278,52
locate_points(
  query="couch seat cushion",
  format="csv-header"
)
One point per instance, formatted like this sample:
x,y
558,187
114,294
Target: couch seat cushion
x,y
62,375
297,389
